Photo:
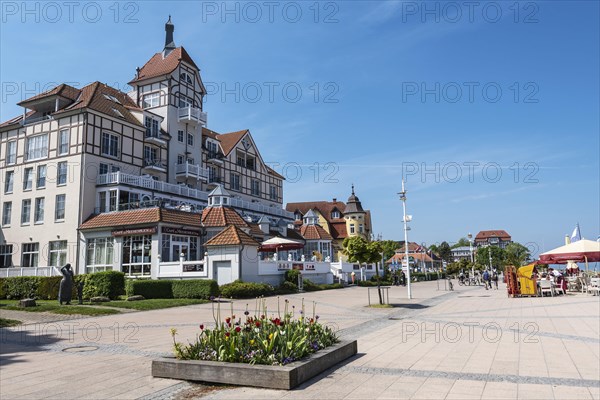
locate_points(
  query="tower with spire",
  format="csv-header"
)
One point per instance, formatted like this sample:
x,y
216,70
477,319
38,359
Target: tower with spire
x,y
355,217
169,89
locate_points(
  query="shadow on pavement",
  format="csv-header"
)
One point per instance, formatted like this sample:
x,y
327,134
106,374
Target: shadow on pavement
x,y
24,339
409,306
325,374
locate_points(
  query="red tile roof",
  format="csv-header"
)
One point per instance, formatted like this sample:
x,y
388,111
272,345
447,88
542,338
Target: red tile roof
x,y
142,216
232,236
62,90
157,65
484,235
416,256
230,140
314,232
222,216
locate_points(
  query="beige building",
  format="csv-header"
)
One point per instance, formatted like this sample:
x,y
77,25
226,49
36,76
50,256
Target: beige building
x,y
76,153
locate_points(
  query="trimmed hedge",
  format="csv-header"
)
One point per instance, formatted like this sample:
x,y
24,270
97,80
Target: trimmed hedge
x,y
310,286
150,289
246,290
172,289
109,284
195,289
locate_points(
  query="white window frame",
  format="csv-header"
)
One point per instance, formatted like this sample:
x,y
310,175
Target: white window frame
x,y
9,183
235,181
6,252
11,152
112,142
61,173
63,142
38,215
190,139
255,187
36,147
151,100
6,213
31,251
57,256
28,179
180,136
25,211
59,213
98,250
40,178
352,228
273,195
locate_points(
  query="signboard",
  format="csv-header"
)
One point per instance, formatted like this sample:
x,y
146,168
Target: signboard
x,y
138,231
310,267
298,267
283,266
177,231
193,268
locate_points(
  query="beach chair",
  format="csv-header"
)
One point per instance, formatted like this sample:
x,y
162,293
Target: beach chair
x,y
594,287
546,287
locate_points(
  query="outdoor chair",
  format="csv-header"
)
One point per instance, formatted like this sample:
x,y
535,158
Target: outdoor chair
x,y
559,289
584,285
546,287
573,284
594,287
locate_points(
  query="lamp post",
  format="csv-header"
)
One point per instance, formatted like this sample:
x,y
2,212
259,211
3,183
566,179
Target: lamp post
x,y
471,250
490,255
405,220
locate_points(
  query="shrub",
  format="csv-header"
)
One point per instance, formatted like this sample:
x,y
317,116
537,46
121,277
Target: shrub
x,y
331,286
287,287
47,288
21,287
292,276
150,289
109,284
2,289
194,289
309,286
371,283
245,290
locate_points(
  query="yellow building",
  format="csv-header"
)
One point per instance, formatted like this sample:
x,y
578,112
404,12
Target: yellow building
x,y
339,219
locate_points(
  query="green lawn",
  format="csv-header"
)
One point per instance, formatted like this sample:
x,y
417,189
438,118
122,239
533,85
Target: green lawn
x,y
5,323
55,308
152,304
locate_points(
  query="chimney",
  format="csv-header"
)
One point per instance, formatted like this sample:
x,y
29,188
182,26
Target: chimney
x,y
334,200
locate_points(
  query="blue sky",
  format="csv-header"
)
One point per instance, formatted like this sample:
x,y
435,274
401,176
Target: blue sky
x,y
492,113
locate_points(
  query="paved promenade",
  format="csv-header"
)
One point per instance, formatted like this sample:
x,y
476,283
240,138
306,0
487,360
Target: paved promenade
x,y
466,344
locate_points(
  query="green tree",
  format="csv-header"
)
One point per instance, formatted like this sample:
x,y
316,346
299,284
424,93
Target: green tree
x,y
445,252
359,250
483,257
516,254
389,248
462,242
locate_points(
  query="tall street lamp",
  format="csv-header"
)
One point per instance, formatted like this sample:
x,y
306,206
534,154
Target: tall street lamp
x,y
405,219
471,250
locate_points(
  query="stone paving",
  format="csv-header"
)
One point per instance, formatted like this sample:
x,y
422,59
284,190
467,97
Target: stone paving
x,y
466,344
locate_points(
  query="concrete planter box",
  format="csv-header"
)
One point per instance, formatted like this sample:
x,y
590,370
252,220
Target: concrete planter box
x,y
266,376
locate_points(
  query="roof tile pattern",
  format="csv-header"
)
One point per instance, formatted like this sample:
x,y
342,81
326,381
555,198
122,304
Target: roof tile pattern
x,y
314,232
159,65
142,216
499,233
232,236
222,216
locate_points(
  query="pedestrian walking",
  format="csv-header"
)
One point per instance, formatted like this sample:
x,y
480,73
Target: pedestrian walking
x,y
486,278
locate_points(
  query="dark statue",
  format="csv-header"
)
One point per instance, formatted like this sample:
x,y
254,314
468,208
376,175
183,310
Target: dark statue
x,y
65,290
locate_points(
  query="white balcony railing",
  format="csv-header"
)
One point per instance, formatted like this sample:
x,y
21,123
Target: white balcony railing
x,y
29,271
192,114
192,170
160,186
150,184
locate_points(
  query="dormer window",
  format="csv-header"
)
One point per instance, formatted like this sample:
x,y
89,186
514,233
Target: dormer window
x,y
335,214
185,77
298,216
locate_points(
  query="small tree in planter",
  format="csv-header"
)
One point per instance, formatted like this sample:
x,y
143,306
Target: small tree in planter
x,y
359,250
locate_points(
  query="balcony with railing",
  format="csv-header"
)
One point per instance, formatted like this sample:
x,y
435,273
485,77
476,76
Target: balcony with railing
x,y
191,114
153,164
155,137
185,170
146,182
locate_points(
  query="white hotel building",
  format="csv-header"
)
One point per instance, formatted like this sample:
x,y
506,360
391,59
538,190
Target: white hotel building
x,y
108,180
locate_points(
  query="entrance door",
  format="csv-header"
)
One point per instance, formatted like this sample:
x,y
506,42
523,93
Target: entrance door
x,y
223,272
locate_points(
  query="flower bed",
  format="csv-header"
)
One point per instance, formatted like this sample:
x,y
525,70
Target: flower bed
x,y
258,339
277,352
